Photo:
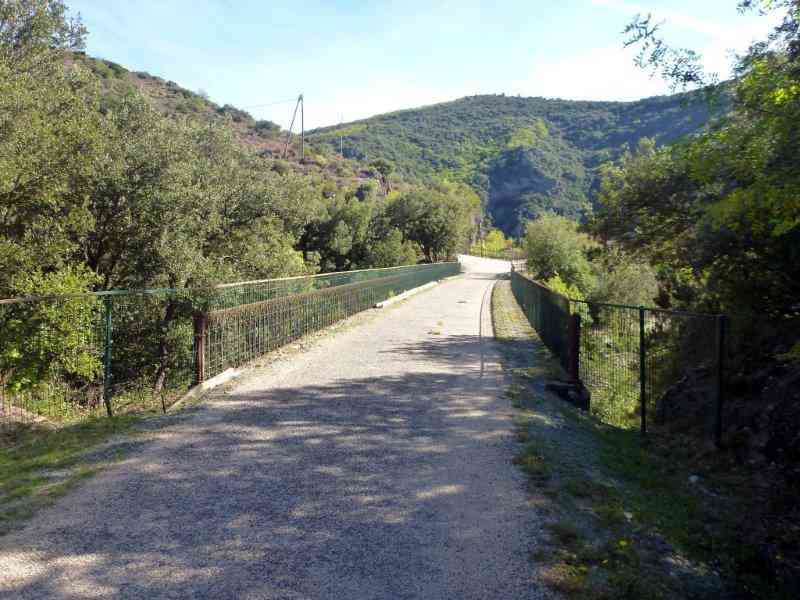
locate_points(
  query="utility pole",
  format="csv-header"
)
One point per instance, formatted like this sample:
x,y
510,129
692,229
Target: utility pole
x,y
341,137
298,104
302,130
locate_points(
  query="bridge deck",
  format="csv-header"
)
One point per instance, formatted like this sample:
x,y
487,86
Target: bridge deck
x,y
376,464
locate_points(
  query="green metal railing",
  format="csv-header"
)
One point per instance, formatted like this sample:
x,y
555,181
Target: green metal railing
x,y
647,368
233,337
124,350
547,312
512,253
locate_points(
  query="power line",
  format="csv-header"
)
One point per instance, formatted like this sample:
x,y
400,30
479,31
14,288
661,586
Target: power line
x,y
270,103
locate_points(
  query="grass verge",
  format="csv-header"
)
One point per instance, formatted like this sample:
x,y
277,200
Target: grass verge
x,y
44,465
617,527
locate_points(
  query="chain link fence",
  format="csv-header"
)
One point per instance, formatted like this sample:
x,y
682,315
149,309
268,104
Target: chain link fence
x,y
67,358
644,368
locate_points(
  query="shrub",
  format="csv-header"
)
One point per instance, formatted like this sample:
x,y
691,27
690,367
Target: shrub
x,y
622,279
555,247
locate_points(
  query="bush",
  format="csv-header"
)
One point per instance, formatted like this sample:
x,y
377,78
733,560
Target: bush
x,y
266,128
392,251
555,247
622,279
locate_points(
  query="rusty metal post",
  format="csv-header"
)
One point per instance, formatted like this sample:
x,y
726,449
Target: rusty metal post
x,y
200,327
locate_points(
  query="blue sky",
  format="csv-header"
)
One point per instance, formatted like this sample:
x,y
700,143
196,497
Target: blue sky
x,y
353,59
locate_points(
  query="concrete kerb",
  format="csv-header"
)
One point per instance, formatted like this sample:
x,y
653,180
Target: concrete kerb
x,y
413,291
199,390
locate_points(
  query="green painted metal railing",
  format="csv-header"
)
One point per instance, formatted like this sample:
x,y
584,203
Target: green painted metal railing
x,y
644,367
122,350
512,253
232,337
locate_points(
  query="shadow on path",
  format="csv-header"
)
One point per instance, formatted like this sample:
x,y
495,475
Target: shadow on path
x,y
344,490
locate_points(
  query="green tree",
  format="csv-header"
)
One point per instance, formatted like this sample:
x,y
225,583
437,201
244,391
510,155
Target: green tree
x,y
555,247
440,220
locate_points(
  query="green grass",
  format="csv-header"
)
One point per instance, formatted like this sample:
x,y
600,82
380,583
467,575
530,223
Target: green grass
x,y
660,501
44,465
604,494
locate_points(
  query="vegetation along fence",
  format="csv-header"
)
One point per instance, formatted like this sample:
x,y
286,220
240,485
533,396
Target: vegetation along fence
x,y
64,358
511,253
644,367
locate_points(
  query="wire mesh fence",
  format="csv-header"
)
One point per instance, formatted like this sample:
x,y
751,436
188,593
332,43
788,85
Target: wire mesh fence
x,y
644,367
234,336
547,312
67,358
513,253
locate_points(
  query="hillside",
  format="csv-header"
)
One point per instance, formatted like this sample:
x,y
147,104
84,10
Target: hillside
x,y
524,155
262,136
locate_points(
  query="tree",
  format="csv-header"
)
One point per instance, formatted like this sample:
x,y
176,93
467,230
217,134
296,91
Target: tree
x,y
33,33
440,220
555,247
725,202
623,279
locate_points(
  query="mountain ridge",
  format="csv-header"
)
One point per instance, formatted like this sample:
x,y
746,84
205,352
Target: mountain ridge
x,y
524,155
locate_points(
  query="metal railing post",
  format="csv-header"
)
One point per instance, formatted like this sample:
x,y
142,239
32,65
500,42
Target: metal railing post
x,y
200,326
107,356
642,372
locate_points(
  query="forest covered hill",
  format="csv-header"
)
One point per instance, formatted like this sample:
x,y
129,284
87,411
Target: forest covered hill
x,y
261,136
525,156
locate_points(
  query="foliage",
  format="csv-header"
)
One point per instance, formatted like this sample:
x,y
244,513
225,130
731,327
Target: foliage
x,y
31,30
555,247
526,156
41,340
559,286
440,220
719,217
723,204
493,243
622,279
392,251
110,192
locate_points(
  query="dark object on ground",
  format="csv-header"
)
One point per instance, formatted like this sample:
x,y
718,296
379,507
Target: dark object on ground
x,y
574,393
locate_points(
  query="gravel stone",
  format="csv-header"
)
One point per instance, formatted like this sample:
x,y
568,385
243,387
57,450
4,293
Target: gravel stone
x,y
374,464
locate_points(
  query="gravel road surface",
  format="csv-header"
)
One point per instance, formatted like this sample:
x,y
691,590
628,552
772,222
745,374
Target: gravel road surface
x,y
375,465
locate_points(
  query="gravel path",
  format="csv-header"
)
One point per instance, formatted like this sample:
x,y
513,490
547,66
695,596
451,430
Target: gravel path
x,y
376,464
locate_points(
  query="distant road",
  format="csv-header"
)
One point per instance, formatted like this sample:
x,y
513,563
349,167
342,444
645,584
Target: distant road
x,y
374,465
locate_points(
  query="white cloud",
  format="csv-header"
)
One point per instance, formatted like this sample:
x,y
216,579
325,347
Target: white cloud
x,y
719,41
610,74
602,74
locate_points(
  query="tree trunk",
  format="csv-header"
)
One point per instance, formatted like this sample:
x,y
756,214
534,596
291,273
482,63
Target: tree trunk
x,y
163,348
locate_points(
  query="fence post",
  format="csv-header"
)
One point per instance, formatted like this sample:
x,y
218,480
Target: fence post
x,y
107,357
719,375
642,372
200,325
574,347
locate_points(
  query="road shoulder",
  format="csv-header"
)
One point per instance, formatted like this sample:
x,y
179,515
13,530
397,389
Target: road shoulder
x,y
604,527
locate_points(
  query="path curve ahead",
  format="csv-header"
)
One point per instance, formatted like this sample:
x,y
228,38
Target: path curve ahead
x,y
375,465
